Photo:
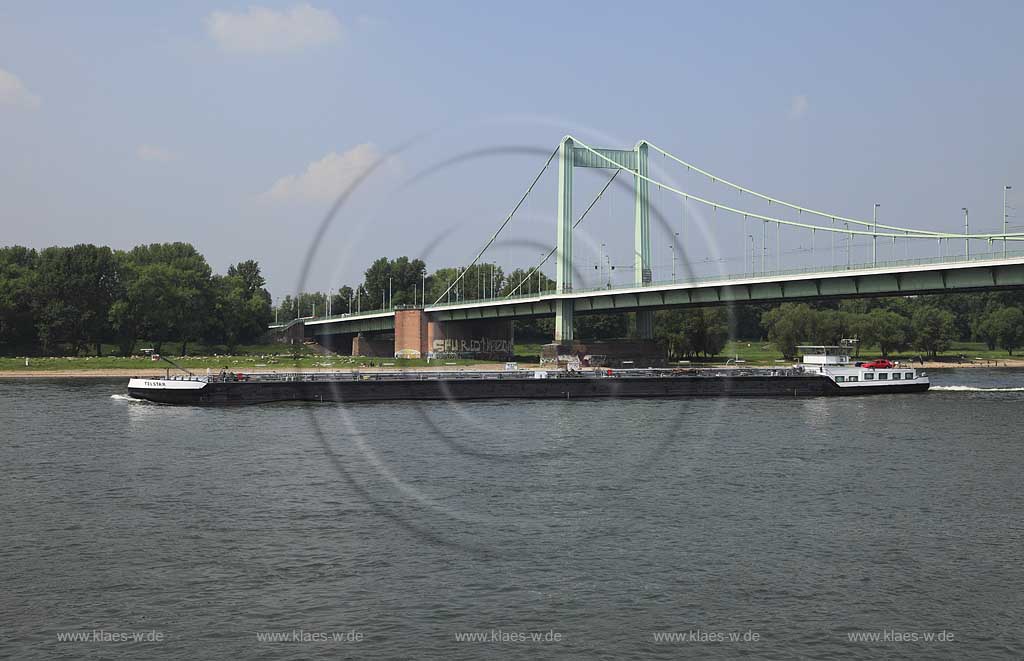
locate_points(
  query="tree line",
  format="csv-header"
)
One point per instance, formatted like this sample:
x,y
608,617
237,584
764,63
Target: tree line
x,y
404,281
67,300
928,324
78,298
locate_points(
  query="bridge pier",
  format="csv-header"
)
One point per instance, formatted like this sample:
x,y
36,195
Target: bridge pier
x,y
604,353
373,347
411,333
418,336
563,321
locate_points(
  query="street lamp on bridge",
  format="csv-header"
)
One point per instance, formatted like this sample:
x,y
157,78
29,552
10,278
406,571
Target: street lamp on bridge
x,y
874,234
1005,189
967,242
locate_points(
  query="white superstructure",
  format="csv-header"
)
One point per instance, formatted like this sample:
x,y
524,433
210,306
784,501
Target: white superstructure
x,y
835,363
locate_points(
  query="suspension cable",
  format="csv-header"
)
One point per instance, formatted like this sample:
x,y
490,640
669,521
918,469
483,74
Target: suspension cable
x,y
904,232
578,221
772,200
500,228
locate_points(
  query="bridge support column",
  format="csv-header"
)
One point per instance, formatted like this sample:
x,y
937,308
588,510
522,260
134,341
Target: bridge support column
x,y
563,321
411,333
642,240
563,256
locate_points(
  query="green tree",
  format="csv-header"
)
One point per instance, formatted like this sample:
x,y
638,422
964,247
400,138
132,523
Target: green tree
x,y
401,278
313,303
601,326
168,293
526,282
17,321
692,332
344,300
74,289
890,330
241,307
789,325
933,329
831,326
668,329
707,330
249,273
983,328
1009,327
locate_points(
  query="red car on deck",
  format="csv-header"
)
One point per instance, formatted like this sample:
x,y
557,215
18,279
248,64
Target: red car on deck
x,y
879,364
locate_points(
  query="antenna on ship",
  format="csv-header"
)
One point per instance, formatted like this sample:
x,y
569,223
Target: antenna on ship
x,y
155,356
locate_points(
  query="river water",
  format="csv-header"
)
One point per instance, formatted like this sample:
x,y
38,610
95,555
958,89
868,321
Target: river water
x,y
599,527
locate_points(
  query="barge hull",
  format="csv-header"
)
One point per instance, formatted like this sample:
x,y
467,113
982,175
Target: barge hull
x,y
255,392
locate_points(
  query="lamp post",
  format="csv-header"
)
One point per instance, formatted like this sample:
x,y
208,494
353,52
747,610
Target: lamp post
x,y
849,244
1005,189
967,242
540,274
751,237
874,234
764,243
676,240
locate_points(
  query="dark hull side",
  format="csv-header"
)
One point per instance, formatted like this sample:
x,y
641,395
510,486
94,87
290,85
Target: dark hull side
x,y
456,389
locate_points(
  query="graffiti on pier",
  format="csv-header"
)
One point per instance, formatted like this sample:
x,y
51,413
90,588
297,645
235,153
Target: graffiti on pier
x,y
472,348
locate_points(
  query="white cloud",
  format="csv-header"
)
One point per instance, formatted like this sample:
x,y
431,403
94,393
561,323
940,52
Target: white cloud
x,y
327,178
14,93
799,106
262,30
153,153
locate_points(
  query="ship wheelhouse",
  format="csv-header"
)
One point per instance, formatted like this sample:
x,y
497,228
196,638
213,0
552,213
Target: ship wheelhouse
x,y
834,362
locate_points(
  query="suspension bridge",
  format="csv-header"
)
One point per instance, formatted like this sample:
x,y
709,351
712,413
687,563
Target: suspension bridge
x,y
482,326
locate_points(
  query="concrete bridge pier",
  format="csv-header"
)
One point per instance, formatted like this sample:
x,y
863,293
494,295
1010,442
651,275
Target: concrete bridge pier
x,y
373,347
419,336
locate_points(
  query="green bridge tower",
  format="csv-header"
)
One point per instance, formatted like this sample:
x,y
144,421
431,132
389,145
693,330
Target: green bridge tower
x,y
635,160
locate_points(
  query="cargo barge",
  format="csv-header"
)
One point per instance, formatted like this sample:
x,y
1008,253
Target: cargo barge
x,y
823,373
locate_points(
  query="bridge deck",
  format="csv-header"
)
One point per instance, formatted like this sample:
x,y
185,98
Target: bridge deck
x,y
921,276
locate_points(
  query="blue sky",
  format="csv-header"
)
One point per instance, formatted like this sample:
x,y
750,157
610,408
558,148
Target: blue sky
x,y
232,125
